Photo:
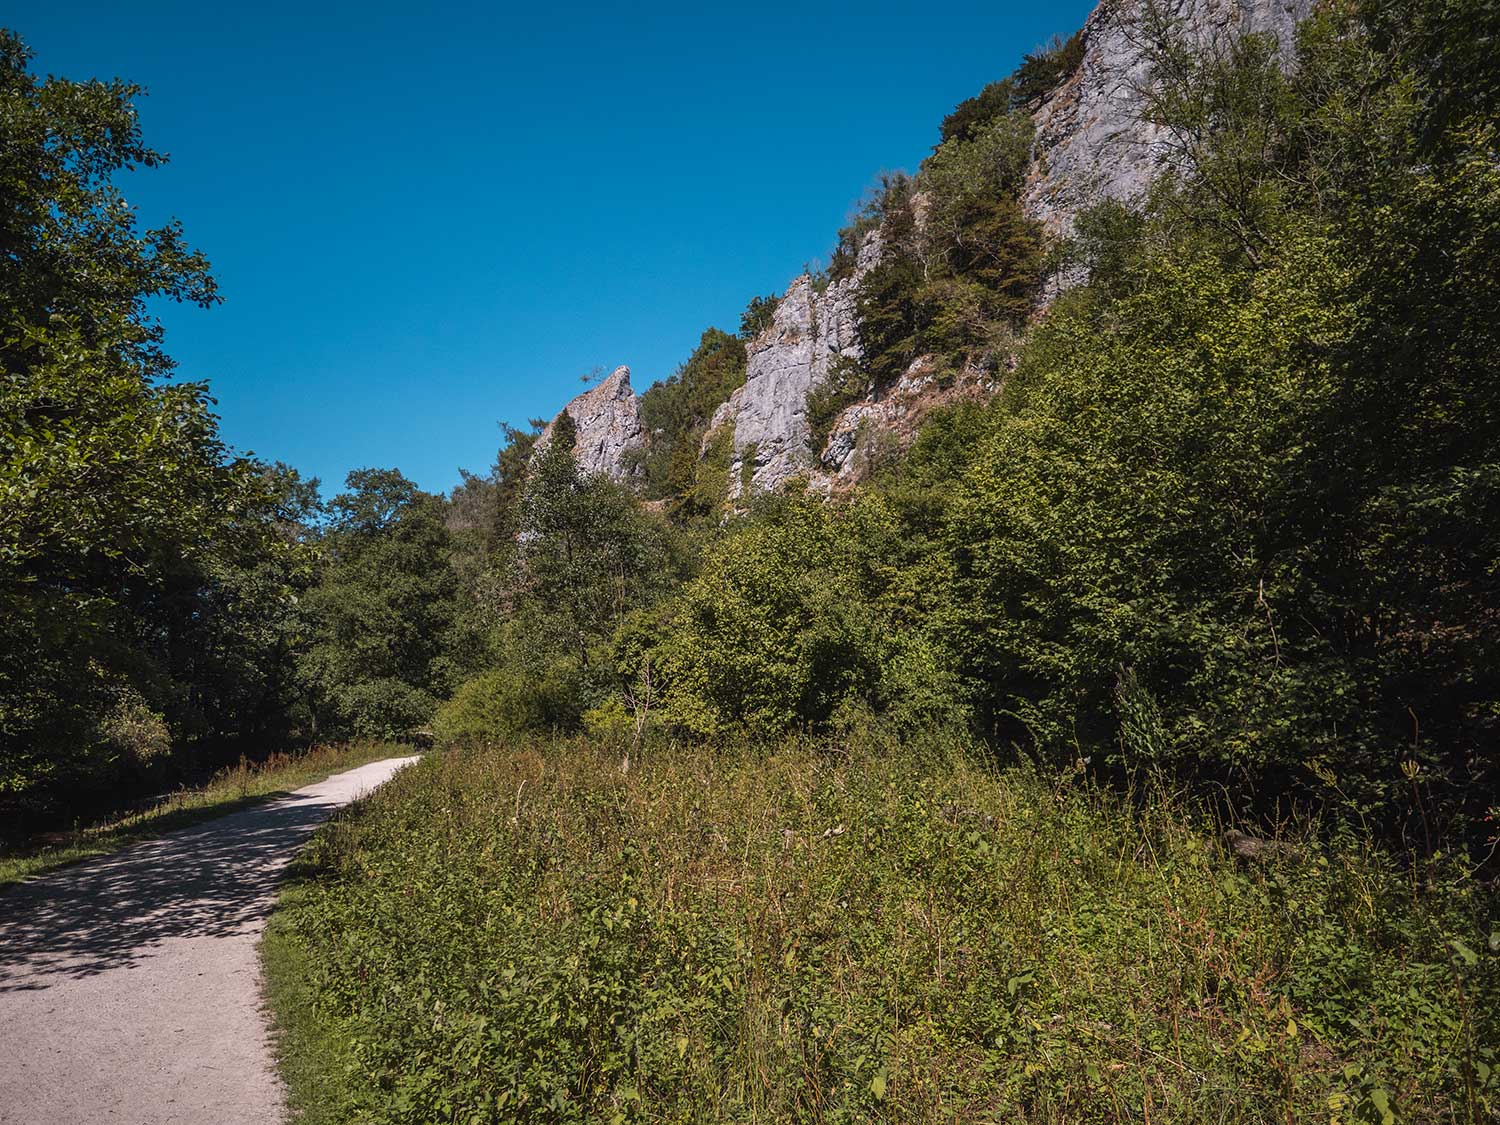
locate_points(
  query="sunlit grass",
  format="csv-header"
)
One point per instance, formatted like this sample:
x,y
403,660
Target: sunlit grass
x,y
837,932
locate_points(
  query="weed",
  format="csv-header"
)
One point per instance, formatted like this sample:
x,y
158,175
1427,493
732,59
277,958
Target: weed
x,y
867,932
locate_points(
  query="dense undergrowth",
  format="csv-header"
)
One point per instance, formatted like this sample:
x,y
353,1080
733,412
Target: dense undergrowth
x,y
860,930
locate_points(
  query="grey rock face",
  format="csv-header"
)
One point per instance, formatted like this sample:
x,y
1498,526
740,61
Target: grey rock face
x,y
609,428
1091,142
809,333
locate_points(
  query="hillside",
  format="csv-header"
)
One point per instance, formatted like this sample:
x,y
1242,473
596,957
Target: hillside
x,y
1095,137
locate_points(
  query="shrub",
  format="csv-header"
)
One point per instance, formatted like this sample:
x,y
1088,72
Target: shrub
x,y
676,411
137,737
973,116
790,622
1042,70
845,385
497,705
381,708
758,316
609,724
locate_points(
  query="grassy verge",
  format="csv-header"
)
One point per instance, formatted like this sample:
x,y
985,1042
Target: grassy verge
x,y
230,789
313,1056
869,933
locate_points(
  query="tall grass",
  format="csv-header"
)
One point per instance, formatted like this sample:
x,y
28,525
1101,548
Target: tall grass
x,y
230,788
872,933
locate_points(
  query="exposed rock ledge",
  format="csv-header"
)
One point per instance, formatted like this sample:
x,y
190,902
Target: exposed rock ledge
x,y
887,422
808,334
1091,143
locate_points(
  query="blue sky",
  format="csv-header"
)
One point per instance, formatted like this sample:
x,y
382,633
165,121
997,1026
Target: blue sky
x,y
426,219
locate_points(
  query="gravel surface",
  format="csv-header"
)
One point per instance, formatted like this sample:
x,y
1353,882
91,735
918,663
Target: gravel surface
x,y
130,984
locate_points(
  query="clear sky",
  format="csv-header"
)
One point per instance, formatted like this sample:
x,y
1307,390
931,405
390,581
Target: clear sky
x,y
427,218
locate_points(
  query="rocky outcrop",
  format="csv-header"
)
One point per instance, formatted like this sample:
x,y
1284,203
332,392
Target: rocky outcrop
x,y
1092,141
810,332
609,426
887,422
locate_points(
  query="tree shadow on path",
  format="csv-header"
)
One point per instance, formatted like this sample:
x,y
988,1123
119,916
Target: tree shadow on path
x,y
217,879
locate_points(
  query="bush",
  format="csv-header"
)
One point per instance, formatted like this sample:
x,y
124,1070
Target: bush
x,y
1235,478
792,621
973,116
845,385
961,264
1042,70
759,314
498,705
381,708
676,412
609,724
137,737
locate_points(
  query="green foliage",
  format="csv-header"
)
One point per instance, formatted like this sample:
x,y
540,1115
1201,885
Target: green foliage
x,y
382,610
846,383
1237,468
790,623
498,705
677,411
709,491
758,316
961,264
1042,70
138,559
868,217
586,554
135,734
1039,73
865,933
553,600
973,116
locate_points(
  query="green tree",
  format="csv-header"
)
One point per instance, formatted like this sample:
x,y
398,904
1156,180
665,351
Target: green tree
x,y
382,609
677,411
586,555
1245,482
758,315
118,501
973,116
801,616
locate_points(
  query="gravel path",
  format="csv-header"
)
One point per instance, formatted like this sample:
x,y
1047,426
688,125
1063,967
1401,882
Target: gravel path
x,y
130,984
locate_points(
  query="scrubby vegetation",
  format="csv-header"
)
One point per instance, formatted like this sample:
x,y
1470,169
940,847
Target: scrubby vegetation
x,y
1220,555
677,411
856,929
960,264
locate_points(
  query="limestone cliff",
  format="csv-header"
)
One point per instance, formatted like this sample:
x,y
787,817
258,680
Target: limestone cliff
x,y
887,421
809,333
609,428
1091,142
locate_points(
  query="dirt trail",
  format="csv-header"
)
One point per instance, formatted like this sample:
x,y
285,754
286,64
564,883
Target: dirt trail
x,y
130,985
